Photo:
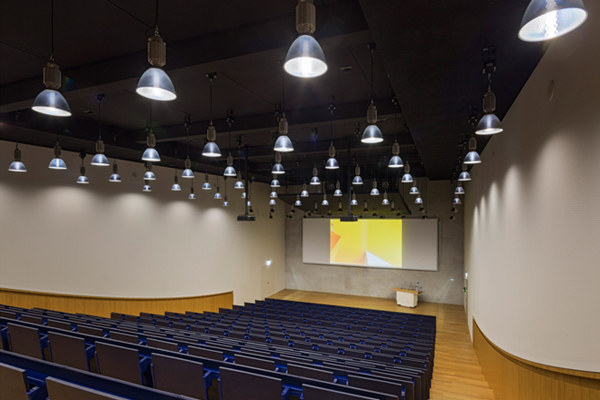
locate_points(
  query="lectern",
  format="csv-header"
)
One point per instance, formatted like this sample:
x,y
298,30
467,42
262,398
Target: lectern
x,y
407,297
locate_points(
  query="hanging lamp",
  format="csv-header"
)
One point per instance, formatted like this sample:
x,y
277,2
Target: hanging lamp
x,y
456,200
57,162
229,171
175,187
366,207
275,182
396,161
217,191
357,179
278,168
414,190
210,148
304,192
385,200
273,194
315,179
272,202
100,159
374,191
490,124
50,101
372,133
17,165
549,19
472,156
192,195
155,84
464,175
206,184
225,202
283,142
418,200
115,177
298,203
354,202
305,58
337,192
407,177
146,187
239,184
325,202
393,207
82,179
149,175
187,172
459,189
332,163
150,154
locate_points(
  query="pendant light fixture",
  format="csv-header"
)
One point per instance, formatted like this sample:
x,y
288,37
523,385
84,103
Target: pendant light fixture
x,y
459,189
278,168
298,203
217,191
206,184
396,161
150,154
243,195
82,179
393,207
304,192
17,165
155,84
357,179
372,133
146,187
57,162
315,179
187,172
456,201
229,171
115,177
385,200
464,175
305,58
273,194
175,187
50,101
338,192
490,124
283,142
272,202
192,195
366,207
225,202
418,200
354,202
374,191
472,156
324,202
407,177
210,148
239,184
332,163
275,183
414,190
149,175
100,159
549,19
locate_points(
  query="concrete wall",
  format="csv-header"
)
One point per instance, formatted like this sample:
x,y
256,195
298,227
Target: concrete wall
x,y
532,213
111,239
443,286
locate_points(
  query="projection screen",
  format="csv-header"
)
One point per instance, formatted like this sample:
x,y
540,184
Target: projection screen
x,y
372,243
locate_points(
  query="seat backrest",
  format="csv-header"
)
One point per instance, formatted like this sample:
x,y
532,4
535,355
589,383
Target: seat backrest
x,y
178,376
162,344
375,384
254,362
59,324
237,385
87,330
67,350
8,314
308,372
61,390
32,319
118,362
123,337
205,353
310,392
25,340
13,383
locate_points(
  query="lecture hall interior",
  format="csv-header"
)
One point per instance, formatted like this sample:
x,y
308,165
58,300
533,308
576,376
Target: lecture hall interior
x,y
300,200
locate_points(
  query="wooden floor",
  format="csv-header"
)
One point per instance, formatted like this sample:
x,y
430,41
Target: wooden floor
x,y
456,374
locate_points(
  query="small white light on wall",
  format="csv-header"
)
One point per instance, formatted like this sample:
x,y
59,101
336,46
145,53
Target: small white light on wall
x,y
268,263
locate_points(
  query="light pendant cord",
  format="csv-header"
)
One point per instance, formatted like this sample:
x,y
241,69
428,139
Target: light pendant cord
x,y
372,58
156,15
211,100
99,98
187,133
52,31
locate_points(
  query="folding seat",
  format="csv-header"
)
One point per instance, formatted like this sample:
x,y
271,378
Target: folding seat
x,y
123,337
53,323
8,314
31,319
205,353
309,372
120,362
86,330
14,384
236,385
162,344
61,390
26,341
310,392
254,362
70,351
180,376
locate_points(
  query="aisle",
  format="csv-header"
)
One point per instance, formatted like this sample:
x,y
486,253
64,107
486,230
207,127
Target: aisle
x,y
456,373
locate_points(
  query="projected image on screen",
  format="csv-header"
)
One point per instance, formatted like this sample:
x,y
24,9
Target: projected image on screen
x,y
373,243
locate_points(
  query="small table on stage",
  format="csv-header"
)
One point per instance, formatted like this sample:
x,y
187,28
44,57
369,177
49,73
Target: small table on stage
x,y
407,297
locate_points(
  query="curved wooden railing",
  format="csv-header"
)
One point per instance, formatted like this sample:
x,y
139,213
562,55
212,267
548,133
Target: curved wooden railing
x,y
513,378
103,306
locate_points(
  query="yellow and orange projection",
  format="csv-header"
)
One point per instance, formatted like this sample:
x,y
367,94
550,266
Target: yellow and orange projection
x,y
375,243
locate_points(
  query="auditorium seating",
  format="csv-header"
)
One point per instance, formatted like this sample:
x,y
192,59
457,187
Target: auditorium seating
x,y
267,349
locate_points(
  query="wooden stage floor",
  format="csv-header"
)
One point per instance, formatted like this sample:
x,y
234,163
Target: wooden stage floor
x,y
456,374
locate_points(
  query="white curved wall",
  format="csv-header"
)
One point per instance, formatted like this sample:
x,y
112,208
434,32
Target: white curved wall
x,y
532,214
109,239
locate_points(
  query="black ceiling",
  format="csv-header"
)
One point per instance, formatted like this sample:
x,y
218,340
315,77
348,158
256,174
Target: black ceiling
x,y
429,55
